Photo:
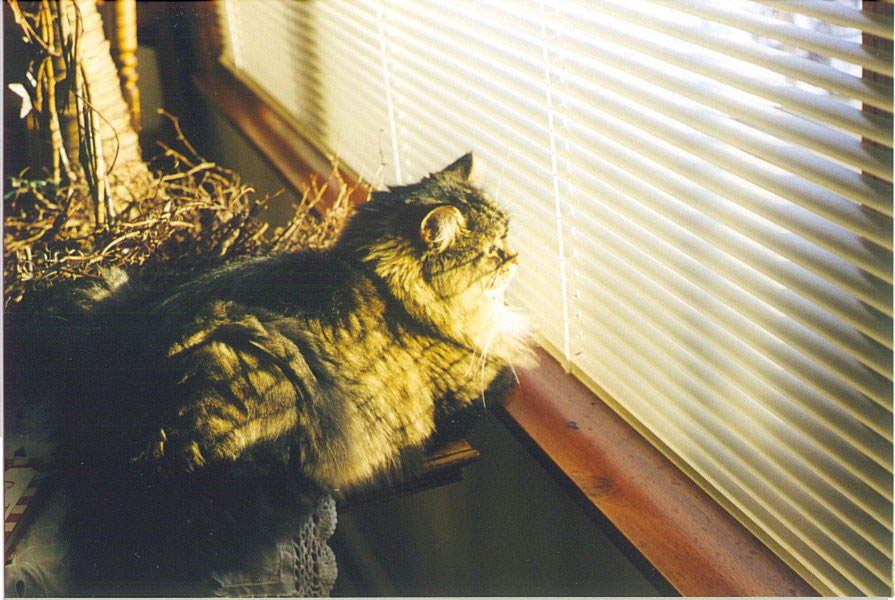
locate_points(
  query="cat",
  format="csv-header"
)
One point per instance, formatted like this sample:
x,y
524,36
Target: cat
x,y
201,420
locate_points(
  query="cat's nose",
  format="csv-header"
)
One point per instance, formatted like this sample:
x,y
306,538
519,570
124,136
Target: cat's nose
x,y
511,253
506,256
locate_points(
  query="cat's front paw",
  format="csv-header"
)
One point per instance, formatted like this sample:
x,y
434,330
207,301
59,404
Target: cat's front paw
x,y
161,454
153,451
190,458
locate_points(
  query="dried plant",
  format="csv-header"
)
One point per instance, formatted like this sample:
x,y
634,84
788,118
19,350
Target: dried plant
x,y
75,213
197,215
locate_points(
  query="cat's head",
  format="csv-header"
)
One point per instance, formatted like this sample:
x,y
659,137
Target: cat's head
x,y
443,248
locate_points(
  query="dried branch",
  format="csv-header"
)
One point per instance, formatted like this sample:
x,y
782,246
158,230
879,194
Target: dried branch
x,y
193,215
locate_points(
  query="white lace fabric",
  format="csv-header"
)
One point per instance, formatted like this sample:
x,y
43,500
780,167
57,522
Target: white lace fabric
x,y
299,566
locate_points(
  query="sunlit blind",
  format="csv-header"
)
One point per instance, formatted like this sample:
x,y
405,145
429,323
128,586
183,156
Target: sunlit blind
x,y
701,194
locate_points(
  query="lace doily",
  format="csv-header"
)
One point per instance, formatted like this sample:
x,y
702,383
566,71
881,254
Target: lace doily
x,y
315,562
302,565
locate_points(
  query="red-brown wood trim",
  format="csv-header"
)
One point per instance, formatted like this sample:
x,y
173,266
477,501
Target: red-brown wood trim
x,y
694,543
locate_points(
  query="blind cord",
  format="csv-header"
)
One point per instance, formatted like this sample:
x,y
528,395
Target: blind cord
x,y
389,95
554,174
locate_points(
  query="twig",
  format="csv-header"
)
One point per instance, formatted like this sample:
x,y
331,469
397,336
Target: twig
x,y
119,240
190,173
180,137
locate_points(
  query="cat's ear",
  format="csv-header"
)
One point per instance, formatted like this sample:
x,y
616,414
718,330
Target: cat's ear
x,y
441,225
459,170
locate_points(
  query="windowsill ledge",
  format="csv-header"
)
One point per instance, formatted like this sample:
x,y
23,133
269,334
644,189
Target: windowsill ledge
x,y
698,547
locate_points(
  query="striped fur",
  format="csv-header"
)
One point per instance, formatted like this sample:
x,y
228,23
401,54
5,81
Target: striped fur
x,y
315,371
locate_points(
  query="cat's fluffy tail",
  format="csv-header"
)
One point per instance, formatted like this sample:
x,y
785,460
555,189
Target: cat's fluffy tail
x,y
49,336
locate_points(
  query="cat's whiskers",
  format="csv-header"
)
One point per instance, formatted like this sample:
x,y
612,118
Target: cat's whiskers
x,y
488,332
484,359
515,374
476,349
474,359
479,353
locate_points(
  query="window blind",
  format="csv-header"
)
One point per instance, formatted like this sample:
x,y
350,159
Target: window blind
x,y
701,195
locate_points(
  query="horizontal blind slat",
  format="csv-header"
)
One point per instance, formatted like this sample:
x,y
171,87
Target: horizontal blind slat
x,y
825,110
874,227
489,137
723,329
654,197
339,30
875,291
813,344
840,146
872,93
821,44
463,79
838,14
724,304
819,175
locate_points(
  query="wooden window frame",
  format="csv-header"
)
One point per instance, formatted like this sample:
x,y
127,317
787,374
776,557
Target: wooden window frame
x,y
648,504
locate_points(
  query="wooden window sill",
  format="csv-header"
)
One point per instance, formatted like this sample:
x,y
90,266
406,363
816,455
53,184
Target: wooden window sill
x,y
699,548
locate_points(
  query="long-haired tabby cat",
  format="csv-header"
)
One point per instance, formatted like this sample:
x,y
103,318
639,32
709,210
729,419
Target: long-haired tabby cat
x,y
201,418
